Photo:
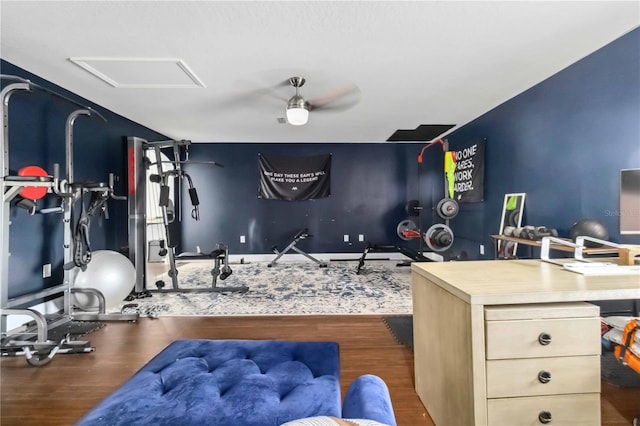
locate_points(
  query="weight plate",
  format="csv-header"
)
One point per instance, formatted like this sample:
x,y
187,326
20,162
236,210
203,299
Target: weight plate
x,y
406,225
512,218
447,208
509,250
439,237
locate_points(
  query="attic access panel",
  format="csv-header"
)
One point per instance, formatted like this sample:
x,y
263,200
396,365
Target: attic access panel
x,y
424,132
140,73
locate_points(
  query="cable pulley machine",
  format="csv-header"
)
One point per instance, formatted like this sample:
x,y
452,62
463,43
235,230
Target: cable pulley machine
x,y
138,165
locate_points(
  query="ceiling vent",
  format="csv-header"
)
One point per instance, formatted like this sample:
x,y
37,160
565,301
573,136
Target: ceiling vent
x,y
422,133
141,73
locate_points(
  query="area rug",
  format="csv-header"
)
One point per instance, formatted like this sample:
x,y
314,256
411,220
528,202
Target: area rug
x,y
288,288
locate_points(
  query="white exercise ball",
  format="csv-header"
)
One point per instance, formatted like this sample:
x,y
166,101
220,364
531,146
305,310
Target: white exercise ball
x,y
109,272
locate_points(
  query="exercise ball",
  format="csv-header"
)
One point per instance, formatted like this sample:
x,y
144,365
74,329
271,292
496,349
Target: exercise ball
x,y
589,228
109,272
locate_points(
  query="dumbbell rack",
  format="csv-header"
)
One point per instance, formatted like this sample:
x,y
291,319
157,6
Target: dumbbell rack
x,y
560,247
42,350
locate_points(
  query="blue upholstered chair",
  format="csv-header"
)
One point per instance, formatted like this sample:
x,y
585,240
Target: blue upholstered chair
x,y
241,383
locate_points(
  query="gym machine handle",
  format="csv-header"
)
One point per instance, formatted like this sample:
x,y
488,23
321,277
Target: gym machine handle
x,y
164,196
111,191
60,186
193,194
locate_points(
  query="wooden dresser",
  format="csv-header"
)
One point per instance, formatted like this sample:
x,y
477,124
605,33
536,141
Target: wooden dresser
x,y
510,342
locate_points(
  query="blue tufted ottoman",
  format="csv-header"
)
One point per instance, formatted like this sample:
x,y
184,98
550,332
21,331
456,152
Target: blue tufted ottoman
x,y
227,383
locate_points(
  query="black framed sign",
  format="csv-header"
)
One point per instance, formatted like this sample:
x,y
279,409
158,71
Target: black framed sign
x,y
294,178
464,173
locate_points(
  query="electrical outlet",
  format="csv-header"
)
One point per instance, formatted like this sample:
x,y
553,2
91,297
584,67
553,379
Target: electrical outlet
x,y
242,239
46,270
361,237
346,238
482,249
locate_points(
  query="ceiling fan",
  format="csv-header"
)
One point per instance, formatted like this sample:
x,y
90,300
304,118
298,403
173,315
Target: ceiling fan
x,y
298,108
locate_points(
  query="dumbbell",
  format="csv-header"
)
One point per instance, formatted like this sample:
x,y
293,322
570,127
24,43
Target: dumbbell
x,y
509,231
538,232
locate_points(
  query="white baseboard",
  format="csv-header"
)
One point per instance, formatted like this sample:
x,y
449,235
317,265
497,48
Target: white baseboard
x,y
325,257
295,257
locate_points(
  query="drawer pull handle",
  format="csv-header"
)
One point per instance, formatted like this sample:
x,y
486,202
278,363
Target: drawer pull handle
x,y
544,376
544,339
545,417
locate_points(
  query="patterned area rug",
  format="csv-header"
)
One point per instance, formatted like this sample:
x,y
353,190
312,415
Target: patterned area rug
x,y
288,288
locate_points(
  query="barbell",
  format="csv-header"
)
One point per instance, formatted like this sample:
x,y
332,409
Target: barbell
x,y
447,208
412,208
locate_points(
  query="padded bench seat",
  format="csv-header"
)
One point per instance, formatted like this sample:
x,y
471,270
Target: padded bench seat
x,y
228,382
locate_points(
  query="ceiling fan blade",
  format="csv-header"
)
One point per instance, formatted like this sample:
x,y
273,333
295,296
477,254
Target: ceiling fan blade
x,y
339,105
261,94
342,97
272,91
251,96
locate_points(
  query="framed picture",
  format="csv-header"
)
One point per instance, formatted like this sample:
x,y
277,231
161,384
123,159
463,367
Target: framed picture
x,y
512,211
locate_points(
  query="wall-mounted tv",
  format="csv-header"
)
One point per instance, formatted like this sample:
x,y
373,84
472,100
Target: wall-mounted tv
x,y
629,213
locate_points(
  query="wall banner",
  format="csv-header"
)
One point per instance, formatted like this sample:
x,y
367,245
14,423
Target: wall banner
x,y
464,173
294,178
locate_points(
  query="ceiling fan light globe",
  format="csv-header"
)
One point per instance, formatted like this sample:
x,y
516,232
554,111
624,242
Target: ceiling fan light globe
x,y
297,116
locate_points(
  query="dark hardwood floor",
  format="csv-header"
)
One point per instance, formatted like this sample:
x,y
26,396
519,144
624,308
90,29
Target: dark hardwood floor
x,y
63,391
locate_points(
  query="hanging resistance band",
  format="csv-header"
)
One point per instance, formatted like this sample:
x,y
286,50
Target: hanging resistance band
x,y
81,240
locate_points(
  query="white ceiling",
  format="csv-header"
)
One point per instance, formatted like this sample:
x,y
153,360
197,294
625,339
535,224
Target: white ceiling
x,y
418,62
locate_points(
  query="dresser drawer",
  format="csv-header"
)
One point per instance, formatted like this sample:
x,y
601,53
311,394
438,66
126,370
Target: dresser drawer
x,y
542,338
570,410
543,376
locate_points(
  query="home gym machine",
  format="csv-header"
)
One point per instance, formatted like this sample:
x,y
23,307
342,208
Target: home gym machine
x,y
139,164
34,341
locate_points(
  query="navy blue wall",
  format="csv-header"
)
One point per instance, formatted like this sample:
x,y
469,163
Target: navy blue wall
x,y
37,137
562,142
370,184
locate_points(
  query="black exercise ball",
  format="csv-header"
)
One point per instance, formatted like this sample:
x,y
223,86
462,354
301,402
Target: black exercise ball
x,y
589,228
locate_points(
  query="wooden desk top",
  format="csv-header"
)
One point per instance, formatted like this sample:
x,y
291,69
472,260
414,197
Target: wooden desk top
x,y
498,282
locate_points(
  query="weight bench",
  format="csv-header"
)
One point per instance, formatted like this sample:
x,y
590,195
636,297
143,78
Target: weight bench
x,y
241,383
386,248
220,257
303,234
